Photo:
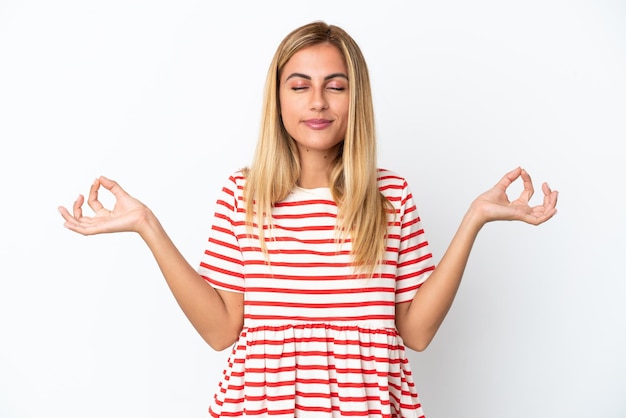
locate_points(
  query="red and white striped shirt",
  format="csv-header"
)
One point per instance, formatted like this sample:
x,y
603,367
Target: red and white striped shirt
x,y
318,340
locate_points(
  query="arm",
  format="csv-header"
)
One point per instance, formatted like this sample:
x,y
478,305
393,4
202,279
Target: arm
x,y
216,315
418,320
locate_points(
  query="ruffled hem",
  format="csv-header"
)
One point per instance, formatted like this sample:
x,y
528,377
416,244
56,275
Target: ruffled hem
x,y
317,370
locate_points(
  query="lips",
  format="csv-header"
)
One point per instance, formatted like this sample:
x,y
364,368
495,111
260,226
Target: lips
x,y
317,123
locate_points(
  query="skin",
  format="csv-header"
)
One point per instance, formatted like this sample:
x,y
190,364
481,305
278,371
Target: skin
x,y
418,321
215,314
314,111
314,96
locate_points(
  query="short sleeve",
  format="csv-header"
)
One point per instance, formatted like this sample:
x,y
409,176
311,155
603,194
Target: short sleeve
x,y
415,260
221,264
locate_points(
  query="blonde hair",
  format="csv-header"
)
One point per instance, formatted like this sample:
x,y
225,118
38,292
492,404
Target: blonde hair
x,y
362,209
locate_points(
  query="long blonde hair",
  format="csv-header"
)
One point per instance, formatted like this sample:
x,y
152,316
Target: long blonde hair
x,y
362,209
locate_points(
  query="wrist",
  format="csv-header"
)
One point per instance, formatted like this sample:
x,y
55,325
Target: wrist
x,y
474,219
147,224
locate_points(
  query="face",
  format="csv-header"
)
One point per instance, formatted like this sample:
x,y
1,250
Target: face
x,y
314,99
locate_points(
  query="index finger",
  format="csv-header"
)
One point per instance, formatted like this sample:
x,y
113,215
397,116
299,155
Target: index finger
x,y
509,178
112,186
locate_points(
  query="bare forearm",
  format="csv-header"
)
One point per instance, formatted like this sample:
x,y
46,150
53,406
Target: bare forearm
x,y
216,315
421,319
201,303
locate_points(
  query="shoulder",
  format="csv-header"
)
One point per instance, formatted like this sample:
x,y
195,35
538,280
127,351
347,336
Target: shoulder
x,y
231,192
235,182
390,182
238,176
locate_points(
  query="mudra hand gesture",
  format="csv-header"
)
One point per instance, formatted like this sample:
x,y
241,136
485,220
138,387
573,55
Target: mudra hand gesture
x,y
494,204
128,214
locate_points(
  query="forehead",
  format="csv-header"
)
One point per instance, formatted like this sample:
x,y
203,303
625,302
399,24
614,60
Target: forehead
x,y
321,59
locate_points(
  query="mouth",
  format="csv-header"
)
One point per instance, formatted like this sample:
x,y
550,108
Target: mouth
x,y
317,123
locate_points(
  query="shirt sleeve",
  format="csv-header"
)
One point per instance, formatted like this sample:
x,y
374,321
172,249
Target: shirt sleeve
x,y
415,260
221,264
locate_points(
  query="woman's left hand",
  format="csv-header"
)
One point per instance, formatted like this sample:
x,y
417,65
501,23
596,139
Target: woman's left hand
x,y
494,204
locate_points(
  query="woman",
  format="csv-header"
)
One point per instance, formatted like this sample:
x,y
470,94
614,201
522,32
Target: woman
x,y
315,258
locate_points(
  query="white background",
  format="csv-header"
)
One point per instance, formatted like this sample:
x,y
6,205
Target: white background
x,y
165,98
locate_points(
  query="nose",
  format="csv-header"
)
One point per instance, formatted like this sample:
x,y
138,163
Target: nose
x,y
318,99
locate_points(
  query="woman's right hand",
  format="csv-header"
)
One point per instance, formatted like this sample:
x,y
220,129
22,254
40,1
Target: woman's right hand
x,y
128,214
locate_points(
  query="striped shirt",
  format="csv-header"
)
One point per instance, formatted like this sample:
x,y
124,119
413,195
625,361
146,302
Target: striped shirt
x,y
318,340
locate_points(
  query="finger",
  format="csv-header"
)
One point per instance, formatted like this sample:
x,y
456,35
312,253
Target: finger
x,y
537,216
554,197
93,201
550,197
509,178
547,190
529,190
71,223
84,225
546,214
77,209
112,186
540,214
65,214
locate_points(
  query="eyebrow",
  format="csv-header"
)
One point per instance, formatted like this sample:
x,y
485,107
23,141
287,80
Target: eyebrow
x,y
308,77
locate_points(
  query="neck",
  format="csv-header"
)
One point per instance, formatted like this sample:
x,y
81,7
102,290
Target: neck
x,y
315,166
313,174
315,169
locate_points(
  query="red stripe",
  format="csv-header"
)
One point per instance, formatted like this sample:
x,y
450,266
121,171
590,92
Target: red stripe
x,y
318,305
414,274
327,353
305,203
306,228
228,206
223,244
307,278
288,239
224,258
414,248
412,235
309,252
319,318
307,215
297,264
319,291
334,341
221,270
224,285
415,260
362,330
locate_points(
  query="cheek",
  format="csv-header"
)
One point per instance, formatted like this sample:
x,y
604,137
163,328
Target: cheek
x,y
285,115
288,111
342,107
283,105
287,119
